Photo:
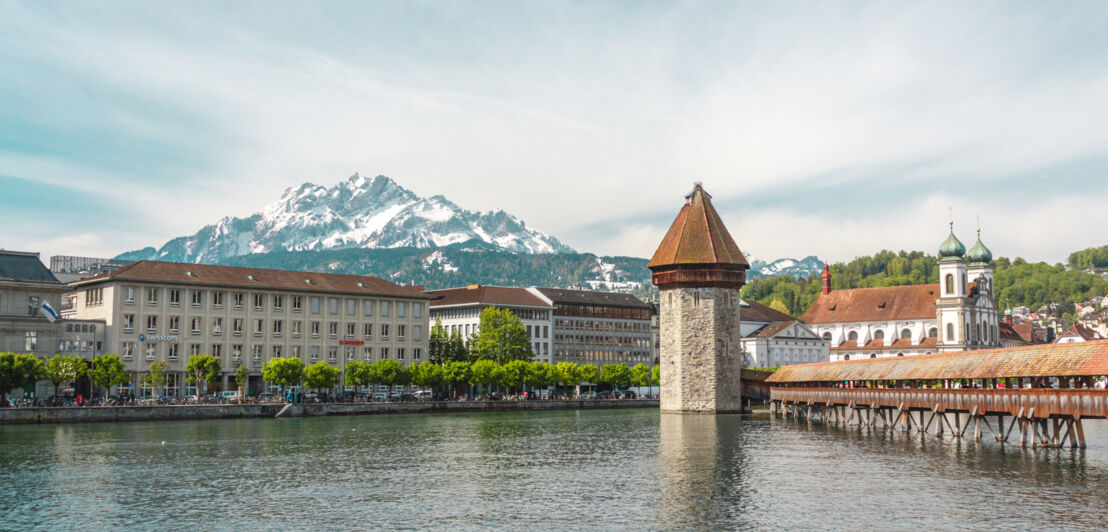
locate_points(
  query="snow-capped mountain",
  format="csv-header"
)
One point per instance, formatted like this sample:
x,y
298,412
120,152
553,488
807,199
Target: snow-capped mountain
x,y
800,269
359,212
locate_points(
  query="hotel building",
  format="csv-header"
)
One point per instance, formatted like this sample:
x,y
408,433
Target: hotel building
x,y
459,309
599,327
170,311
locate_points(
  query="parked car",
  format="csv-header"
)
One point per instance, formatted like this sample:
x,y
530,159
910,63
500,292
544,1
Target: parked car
x,y
228,395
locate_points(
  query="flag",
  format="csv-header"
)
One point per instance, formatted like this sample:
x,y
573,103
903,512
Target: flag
x,y
48,311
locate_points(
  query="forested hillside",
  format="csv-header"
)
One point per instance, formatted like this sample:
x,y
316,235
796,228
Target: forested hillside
x,y
1089,258
1018,282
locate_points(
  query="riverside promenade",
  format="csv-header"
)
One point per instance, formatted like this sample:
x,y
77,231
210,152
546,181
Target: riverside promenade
x,y
95,414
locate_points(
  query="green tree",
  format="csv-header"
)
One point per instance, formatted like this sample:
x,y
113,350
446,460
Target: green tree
x,y
539,375
640,375
455,373
589,373
17,371
357,375
569,374
157,376
656,376
426,375
107,371
283,372
388,372
456,348
438,344
203,369
242,379
321,376
501,337
483,373
514,374
617,375
777,305
60,370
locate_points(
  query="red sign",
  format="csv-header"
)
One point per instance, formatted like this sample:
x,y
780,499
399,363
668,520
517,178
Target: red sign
x,y
351,342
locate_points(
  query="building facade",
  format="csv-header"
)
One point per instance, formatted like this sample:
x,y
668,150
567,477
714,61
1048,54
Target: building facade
x,y
771,338
957,314
459,310
165,311
598,327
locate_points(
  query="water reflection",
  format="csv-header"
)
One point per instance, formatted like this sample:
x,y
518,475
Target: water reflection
x,y
702,463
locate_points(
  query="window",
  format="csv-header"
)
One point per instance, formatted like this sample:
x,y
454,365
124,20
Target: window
x,y
174,323
128,322
400,330
401,309
400,353
174,350
196,325
949,283
315,305
417,354
238,300
217,299
950,332
151,296
256,351
417,332
351,307
350,352
277,326
278,302
194,349
852,336
295,351
933,333
197,298
315,352
417,310
30,341
152,324
151,351
217,326
129,295
369,303
259,326
906,334
368,330
296,326
384,353
332,352
350,330
385,309
367,353
315,329
879,335
827,336
236,351
333,305
174,297
333,329
236,326
259,301
128,350
384,330
297,301
276,351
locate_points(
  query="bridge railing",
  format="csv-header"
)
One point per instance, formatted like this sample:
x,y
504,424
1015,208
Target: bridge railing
x,y
1024,402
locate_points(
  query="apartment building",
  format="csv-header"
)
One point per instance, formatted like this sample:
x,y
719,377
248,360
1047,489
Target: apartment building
x,y
599,327
245,316
459,309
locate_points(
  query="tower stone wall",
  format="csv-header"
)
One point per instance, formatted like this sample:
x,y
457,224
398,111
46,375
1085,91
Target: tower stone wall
x,y
700,350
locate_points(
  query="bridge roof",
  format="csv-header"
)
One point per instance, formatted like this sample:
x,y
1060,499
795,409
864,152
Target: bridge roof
x,y
1048,360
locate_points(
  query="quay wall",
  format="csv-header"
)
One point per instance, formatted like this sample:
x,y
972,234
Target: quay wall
x,y
94,414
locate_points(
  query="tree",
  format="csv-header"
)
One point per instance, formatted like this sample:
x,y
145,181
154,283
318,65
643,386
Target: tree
x,y
107,371
438,344
283,371
456,349
356,374
569,374
242,379
590,374
17,371
483,372
388,372
455,373
60,370
501,337
321,376
777,305
514,373
617,375
157,376
539,375
426,374
656,376
640,375
203,369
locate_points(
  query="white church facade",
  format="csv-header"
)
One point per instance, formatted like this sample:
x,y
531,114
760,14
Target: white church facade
x,y
957,314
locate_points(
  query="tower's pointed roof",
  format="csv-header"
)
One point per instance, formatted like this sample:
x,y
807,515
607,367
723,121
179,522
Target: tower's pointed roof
x,y
698,236
979,254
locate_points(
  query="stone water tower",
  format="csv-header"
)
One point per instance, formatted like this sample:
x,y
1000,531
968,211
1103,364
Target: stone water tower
x,y
699,270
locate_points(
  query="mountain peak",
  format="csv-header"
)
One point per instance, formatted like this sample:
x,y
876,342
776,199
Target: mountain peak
x,y
358,212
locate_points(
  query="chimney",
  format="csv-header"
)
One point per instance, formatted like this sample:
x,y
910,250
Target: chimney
x,y
826,279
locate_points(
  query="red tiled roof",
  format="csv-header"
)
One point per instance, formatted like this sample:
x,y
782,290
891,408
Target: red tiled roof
x,y
486,295
1080,330
771,330
1040,360
697,236
1009,332
910,302
759,312
234,276
900,344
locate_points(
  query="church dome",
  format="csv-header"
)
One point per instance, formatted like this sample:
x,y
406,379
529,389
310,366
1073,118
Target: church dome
x,y
979,253
952,247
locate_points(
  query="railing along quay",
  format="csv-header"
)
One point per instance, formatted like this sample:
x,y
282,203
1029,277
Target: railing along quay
x,y
1045,417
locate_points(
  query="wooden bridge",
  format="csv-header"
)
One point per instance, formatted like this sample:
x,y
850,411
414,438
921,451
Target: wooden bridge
x,y
1045,391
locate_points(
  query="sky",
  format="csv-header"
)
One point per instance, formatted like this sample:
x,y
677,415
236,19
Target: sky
x,y
820,128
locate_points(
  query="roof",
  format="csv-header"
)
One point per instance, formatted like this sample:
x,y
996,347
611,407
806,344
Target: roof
x,y
1009,332
754,311
560,296
697,236
486,295
909,302
1042,360
879,345
234,276
773,329
1080,330
25,267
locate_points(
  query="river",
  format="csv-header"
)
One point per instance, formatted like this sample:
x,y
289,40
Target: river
x,y
571,470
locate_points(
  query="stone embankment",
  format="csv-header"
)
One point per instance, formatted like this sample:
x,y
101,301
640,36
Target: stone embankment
x,y
15,416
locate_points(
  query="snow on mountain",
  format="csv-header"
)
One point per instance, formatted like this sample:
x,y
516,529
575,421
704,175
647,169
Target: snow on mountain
x,y
359,212
797,268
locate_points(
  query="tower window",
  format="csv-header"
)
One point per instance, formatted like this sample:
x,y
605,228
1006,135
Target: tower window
x,y
906,334
950,283
950,332
933,333
852,336
879,335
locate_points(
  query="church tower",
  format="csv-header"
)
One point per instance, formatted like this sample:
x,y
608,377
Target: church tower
x,y
699,270
953,287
